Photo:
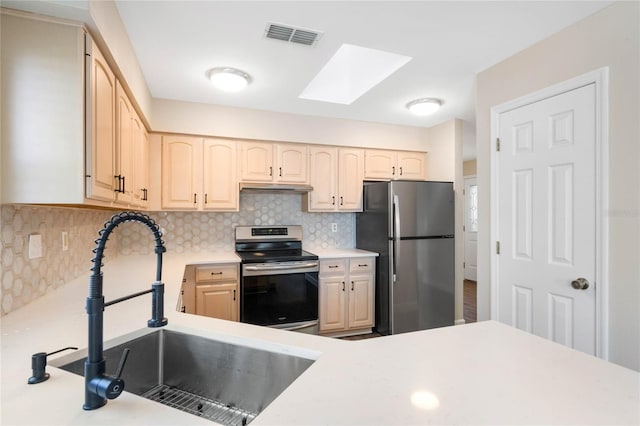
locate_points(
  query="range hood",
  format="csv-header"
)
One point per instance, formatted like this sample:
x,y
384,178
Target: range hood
x,y
271,187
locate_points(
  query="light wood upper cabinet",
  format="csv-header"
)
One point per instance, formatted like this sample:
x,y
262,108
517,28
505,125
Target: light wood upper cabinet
x,y
291,163
140,163
124,147
391,165
336,175
101,143
411,165
220,185
323,177
350,178
269,162
181,172
199,174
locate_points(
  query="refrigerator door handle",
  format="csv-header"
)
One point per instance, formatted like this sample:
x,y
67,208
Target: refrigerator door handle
x,y
396,234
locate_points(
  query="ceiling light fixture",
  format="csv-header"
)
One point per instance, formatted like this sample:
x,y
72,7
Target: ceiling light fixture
x,y
424,106
228,79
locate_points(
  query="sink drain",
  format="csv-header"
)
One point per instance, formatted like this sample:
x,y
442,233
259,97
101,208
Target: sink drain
x,y
197,405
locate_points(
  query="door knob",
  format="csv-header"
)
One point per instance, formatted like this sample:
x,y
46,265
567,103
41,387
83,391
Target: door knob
x,y
580,284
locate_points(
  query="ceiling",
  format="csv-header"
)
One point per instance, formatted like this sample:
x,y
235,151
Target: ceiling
x,y
176,42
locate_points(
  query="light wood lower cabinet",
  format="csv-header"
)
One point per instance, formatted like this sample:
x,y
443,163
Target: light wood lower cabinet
x,y
217,301
346,295
212,290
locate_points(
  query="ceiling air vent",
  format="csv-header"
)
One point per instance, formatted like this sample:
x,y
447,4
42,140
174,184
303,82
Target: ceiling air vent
x,y
292,34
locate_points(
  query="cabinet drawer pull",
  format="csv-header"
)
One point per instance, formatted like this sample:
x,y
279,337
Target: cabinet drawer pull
x,y
341,201
400,171
393,170
333,200
205,198
362,265
280,170
195,198
352,284
270,171
333,266
342,285
234,294
217,273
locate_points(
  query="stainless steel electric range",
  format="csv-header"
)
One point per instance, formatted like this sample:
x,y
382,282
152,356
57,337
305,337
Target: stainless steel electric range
x,y
279,280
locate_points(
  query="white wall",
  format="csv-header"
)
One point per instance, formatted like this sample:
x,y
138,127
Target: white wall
x,y
214,120
610,38
444,163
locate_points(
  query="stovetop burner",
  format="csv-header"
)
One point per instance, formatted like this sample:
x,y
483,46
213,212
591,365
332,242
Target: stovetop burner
x,y
261,244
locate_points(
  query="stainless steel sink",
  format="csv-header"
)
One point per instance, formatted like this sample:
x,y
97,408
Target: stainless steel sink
x,y
227,383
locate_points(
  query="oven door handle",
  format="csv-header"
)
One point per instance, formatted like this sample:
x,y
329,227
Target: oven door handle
x,y
280,267
301,326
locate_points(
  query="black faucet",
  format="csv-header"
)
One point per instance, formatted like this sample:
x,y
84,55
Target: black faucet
x,y
99,386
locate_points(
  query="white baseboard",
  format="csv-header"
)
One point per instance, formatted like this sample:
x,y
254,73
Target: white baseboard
x,y
459,322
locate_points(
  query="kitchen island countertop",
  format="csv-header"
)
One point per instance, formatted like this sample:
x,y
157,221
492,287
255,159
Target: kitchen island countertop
x,y
482,373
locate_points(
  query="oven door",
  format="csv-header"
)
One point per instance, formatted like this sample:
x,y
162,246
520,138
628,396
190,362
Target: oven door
x,y
280,294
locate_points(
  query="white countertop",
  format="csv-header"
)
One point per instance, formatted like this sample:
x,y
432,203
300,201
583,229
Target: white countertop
x,y
334,253
483,373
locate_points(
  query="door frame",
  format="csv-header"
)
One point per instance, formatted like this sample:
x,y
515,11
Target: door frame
x,y
464,221
600,78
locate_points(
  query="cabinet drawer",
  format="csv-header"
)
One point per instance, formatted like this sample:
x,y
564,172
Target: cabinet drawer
x,y
365,264
333,266
212,273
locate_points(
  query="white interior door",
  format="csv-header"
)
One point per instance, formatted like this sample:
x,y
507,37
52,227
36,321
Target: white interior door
x,y
470,228
546,219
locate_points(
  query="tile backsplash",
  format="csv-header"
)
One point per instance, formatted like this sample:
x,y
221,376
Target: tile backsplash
x,y
23,279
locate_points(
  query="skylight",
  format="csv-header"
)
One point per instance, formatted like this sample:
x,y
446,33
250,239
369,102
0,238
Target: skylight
x,y
351,72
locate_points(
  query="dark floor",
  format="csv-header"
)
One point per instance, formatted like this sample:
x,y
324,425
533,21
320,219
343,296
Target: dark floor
x,y
469,315
470,301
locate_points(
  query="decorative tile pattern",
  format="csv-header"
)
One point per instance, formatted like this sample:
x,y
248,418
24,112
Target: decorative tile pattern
x,y
23,280
214,232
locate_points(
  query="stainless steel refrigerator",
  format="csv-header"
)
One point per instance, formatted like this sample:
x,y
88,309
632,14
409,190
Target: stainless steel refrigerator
x,y
411,225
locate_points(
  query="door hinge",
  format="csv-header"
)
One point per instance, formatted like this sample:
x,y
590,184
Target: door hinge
x,y
498,144
497,247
